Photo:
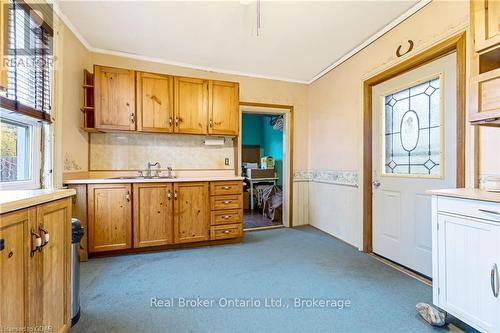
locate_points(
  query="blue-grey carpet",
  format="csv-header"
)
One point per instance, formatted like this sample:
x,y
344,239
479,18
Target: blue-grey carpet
x,y
282,264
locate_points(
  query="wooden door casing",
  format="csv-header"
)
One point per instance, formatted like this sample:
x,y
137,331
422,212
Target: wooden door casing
x,y
224,110
109,217
155,105
191,212
153,214
114,98
190,105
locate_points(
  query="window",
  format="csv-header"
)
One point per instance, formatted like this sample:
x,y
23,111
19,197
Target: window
x,y
29,59
19,153
413,128
26,101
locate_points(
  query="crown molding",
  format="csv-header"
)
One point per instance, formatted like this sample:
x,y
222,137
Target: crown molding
x,y
191,66
377,35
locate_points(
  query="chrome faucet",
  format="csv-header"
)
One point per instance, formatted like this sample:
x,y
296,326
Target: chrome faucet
x,y
169,172
151,164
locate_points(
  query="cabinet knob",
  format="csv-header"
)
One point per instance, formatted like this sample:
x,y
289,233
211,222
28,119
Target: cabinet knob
x,y
169,195
127,196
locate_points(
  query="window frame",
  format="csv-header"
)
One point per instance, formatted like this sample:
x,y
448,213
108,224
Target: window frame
x,y
382,152
35,153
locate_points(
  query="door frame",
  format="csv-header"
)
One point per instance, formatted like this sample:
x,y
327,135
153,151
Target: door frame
x,y
287,112
456,43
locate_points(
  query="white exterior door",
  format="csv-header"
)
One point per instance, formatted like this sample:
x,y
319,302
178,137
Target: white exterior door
x,y
414,150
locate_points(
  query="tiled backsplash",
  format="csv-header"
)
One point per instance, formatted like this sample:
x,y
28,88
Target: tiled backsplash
x,y
123,151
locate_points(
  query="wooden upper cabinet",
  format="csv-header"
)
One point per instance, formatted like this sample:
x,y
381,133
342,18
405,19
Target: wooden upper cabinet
x,y
191,212
155,104
486,21
224,115
190,105
49,269
13,259
109,217
153,214
114,98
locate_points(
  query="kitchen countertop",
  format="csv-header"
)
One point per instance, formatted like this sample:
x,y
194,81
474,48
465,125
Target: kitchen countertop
x,y
153,180
19,199
468,193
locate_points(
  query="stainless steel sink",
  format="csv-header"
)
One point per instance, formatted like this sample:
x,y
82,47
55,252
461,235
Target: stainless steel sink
x,y
144,177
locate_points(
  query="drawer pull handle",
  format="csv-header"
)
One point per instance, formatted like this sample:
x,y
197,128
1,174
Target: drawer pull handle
x,y
489,211
226,187
169,195
227,231
226,202
225,217
495,284
45,236
37,243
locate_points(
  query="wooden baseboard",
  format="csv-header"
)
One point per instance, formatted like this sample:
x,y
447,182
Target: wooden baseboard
x,y
165,247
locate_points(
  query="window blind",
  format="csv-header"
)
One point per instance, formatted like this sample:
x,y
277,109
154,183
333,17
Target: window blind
x,y
29,60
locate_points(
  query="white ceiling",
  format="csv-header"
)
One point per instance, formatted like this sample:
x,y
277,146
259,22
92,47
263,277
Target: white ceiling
x,y
298,40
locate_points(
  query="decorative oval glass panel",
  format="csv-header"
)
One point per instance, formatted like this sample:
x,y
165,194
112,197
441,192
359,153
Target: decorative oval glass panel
x,y
410,128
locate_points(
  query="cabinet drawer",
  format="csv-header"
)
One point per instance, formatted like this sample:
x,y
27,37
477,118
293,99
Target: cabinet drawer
x,y
489,94
226,202
224,188
473,208
226,216
226,231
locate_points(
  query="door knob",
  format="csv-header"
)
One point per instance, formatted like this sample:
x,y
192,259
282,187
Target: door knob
x,y
376,184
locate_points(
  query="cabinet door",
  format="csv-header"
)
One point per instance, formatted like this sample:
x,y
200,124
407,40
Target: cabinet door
x,y
153,214
486,21
114,98
468,250
224,108
13,259
190,105
49,269
109,217
155,105
192,212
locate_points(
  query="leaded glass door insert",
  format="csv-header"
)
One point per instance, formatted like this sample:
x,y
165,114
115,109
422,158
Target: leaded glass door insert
x,y
412,127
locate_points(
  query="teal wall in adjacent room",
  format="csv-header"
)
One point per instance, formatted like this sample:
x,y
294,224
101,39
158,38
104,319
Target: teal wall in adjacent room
x,y
256,130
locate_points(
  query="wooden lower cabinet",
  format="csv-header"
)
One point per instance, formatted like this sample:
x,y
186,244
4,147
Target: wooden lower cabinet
x,y
191,212
109,217
49,269
13,266
153,214
35,289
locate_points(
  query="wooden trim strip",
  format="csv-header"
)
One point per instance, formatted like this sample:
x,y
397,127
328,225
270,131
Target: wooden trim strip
x,y
456,44
28,111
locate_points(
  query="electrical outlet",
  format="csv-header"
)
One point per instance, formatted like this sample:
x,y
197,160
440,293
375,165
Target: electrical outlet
x,y
226,161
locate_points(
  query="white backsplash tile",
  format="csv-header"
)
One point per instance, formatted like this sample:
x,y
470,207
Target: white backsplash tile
x,y
123,151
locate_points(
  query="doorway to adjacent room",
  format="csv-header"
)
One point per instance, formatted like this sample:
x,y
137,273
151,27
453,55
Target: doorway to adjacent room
x,y
264,162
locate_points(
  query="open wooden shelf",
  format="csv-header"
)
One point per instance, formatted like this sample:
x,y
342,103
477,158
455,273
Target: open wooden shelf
x,y
88,102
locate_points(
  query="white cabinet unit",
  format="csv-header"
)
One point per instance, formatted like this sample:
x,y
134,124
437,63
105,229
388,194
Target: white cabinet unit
x,y
466,260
